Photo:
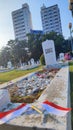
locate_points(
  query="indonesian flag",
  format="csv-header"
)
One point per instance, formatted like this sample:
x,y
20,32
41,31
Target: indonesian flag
x,y
48,106
8,115
55,109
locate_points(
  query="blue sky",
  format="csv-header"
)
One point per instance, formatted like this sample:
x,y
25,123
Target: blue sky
x,y
7,6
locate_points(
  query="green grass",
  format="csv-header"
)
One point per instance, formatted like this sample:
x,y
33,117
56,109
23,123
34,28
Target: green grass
x,y
8,76
71,88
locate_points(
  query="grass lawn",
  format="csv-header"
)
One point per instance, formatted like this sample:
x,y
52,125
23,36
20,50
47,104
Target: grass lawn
x,y
8,76
71,89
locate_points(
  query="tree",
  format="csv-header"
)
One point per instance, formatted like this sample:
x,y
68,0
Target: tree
x,y
18,51
35,45
4,56
58,41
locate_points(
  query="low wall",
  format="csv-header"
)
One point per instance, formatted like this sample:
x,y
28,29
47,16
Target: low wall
x,y
69,127
11,127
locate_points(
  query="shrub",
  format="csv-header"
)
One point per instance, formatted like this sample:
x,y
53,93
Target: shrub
x,y
42,59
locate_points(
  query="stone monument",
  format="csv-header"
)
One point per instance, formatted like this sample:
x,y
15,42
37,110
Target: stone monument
x,y
4,98
32,62
49,52
9,65
61,56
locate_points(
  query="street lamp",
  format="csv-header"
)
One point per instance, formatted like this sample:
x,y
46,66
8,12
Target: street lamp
x,y
71,6
70,27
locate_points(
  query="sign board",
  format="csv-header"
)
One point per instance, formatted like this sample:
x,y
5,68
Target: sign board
x,y
49,52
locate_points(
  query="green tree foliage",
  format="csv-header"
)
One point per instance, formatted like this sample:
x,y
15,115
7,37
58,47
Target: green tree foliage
x,y
18,50
35,45
22,51
58,41
5,55
15,51
66,46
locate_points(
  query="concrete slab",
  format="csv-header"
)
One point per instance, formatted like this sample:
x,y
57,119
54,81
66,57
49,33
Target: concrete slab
x,y
56,92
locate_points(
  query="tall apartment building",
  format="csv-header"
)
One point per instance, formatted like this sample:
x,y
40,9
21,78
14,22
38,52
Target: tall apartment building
x,y
51,19
22,22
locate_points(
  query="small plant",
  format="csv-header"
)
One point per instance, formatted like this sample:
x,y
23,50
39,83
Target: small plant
x,y
42,59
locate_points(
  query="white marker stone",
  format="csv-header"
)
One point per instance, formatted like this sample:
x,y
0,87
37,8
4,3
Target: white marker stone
x,y
49,52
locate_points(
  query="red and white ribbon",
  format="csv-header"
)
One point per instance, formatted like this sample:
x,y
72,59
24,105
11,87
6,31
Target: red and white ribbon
x,y
48,106
6,116
55,109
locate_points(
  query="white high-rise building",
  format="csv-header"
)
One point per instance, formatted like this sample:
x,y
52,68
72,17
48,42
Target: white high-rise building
x,y
22,22
51,19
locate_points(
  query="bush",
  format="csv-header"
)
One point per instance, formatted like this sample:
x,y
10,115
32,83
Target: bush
x,y
42,59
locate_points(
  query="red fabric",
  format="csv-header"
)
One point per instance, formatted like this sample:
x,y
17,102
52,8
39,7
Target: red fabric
x,y
56,106
3,114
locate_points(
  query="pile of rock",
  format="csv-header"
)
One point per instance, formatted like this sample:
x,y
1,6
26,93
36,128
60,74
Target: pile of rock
x,y
31,87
